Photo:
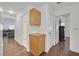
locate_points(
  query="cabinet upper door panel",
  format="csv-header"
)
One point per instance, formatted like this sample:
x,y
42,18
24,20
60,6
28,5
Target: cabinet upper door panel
x,y
35,17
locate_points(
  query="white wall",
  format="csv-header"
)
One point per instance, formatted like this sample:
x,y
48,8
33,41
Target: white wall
x,y
56,29
18,28
1,42
24,30
1,39
46,23
74,24
51,26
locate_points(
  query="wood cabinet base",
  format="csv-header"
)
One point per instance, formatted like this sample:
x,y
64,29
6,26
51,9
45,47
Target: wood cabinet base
x,y
37,44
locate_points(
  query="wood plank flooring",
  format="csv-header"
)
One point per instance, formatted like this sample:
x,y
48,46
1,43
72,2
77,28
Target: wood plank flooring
x,y
12,48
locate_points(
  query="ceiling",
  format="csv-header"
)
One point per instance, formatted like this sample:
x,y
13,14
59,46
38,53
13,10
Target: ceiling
x,y
19,7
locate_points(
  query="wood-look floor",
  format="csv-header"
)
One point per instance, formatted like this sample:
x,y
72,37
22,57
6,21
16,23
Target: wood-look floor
x,y
12,48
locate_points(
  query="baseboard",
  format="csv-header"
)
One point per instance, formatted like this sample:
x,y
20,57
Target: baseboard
x,y
22,45
74,52
46,51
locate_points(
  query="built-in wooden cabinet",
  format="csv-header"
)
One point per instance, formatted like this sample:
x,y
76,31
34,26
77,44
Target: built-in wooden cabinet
x,y
37,43
35,17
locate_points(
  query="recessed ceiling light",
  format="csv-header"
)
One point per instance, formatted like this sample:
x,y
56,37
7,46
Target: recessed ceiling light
x,y
11,12
1,9
59,2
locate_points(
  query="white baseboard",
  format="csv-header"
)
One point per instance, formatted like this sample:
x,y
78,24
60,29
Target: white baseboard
x,y
74,51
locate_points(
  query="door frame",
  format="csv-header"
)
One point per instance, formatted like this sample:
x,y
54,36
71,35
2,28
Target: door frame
x,y
57,29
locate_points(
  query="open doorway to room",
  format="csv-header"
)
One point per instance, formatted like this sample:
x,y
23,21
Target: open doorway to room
x,y
8,34
62,26
8,27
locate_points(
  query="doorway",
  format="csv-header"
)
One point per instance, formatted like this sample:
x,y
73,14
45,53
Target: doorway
x,y
62,31
8,27
62,24
8,34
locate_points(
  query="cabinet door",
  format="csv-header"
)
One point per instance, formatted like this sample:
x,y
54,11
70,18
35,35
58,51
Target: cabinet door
x,y
33,45
41,44
37,44
35,17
